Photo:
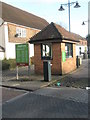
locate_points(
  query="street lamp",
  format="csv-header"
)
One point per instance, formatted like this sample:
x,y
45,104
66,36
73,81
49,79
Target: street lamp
x,y
69,4
88,42
83,23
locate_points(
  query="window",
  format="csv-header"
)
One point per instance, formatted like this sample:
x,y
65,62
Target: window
x,y
69,50
46,51
21,32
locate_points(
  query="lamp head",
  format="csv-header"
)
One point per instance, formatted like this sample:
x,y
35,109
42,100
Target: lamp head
x,y
77,5
61,8
83,23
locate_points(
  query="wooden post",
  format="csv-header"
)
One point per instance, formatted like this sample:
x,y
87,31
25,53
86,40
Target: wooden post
x,y
29,62
17,73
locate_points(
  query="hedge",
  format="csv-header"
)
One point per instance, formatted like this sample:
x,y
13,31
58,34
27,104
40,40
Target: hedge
x,y
8,64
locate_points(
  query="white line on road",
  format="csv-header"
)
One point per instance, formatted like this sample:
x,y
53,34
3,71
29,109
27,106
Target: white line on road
x,y
15,98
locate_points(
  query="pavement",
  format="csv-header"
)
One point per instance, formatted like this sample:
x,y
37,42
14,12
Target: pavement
x,y
29,82
32,82
35,82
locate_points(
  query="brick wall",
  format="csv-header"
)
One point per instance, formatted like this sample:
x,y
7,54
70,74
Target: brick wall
x,y
37,59
83,42
70,63
12,31
58,67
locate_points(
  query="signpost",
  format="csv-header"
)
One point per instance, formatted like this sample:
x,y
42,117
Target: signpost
x,y
22,55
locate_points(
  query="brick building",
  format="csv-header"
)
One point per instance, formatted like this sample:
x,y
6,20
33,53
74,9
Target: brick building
x,y
57,45
81,47
17,27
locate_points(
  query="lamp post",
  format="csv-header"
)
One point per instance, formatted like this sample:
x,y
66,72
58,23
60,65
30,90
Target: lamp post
x,y
69,4
88,42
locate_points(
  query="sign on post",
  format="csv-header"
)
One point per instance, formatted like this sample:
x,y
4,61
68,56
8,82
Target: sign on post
x,y
63,56
22,55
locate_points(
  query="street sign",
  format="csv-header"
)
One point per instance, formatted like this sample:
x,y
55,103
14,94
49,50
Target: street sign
x,y
63,56
22,54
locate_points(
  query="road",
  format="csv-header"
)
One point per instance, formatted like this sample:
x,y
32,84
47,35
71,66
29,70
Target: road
x,y
34,105
9,94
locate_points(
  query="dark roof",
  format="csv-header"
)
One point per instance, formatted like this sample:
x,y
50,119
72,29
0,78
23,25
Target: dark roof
x,y
78,36
54,33
18,16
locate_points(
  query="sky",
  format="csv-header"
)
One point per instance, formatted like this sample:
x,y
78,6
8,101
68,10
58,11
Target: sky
x,y
48,9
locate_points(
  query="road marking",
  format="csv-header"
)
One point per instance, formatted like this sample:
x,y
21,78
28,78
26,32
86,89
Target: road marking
x,y
15,98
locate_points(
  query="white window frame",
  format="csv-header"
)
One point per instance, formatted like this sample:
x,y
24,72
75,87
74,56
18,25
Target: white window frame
x,y
21,32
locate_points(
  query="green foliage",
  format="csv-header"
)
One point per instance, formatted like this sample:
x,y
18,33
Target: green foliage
x,y
8,64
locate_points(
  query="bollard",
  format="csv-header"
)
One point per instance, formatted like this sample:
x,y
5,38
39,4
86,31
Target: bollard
x,y
77,62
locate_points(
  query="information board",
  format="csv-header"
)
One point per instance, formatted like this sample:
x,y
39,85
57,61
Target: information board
x,y
22,54
63,56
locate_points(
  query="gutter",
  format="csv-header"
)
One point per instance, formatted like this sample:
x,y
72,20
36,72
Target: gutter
x,y
52,40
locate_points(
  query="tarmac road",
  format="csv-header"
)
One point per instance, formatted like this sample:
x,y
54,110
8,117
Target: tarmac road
x,y
10,94
34,105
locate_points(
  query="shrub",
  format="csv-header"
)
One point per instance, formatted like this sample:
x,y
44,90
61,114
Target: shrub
x,y
8,64
5,65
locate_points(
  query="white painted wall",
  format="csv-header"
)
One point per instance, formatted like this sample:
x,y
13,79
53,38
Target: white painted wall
x,y
2,41
1,55
78,50
31,46
10,52
9,47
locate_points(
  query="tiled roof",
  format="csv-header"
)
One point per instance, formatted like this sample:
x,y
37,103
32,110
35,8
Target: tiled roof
x,y
18,16
55,32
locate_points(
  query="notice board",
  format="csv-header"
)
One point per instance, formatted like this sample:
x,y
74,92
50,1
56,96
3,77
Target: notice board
x,y
22,54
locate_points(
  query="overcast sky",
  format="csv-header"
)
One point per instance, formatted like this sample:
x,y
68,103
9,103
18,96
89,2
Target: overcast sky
x,y
48,9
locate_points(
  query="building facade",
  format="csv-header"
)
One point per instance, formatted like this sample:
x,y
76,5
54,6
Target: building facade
x,y
81,48
18,27
57,45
